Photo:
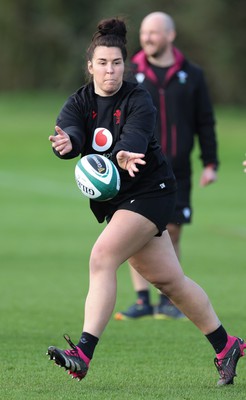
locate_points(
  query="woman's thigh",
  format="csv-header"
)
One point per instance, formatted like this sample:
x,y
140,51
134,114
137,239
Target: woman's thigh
x,y
157,261
126,233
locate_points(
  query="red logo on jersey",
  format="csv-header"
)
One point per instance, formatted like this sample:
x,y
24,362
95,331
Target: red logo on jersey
x,y
117,115
94,114
102,139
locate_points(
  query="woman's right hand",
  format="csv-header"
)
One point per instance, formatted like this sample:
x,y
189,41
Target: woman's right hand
x,y
61,142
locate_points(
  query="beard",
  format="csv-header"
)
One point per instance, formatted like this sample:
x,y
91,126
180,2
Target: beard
x,y
154,51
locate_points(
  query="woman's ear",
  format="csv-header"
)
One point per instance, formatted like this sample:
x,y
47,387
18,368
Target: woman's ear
x,y
89,67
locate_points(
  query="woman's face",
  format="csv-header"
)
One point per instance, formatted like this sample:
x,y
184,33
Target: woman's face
x,y
107,68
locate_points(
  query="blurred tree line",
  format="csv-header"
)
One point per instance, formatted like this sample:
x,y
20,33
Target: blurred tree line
x,y
43,42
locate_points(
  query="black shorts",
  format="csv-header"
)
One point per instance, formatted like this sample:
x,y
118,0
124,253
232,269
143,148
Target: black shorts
x,y
183,211
156,209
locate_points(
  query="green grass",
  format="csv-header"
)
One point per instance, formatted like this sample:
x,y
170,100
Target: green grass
x,y
47,231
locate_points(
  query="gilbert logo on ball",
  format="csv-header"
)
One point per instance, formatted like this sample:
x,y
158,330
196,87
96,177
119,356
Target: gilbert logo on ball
x,y
97,177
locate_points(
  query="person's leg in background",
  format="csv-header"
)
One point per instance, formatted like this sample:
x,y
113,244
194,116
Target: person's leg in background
x,y
143,308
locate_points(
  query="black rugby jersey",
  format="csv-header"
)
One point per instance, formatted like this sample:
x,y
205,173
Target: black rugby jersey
x,y
106,125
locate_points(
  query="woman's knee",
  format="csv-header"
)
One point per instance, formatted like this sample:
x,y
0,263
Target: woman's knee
x,y
101,259
98,258
171,287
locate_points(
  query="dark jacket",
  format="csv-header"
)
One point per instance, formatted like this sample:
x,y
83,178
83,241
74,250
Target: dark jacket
x,y
184,110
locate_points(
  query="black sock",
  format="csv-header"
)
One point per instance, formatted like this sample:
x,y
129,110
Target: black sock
x,y
164,299
218,339
143,295
87,344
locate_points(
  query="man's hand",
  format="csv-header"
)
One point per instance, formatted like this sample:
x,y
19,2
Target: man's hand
x,y
208,176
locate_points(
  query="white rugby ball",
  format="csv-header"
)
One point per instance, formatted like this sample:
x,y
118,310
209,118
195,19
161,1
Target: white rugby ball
x,y
97,177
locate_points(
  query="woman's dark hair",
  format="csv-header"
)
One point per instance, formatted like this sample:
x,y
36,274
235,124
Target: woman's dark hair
x,y
110,33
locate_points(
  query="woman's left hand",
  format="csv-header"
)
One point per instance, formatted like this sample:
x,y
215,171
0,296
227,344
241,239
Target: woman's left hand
x,y
128,160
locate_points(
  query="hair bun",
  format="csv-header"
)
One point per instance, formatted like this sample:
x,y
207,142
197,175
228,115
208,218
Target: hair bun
x,y
112,26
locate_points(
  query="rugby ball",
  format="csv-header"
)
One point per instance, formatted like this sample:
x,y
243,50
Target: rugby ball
x,y
97,177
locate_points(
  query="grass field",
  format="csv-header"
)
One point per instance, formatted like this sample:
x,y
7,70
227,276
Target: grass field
x,y
47,231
